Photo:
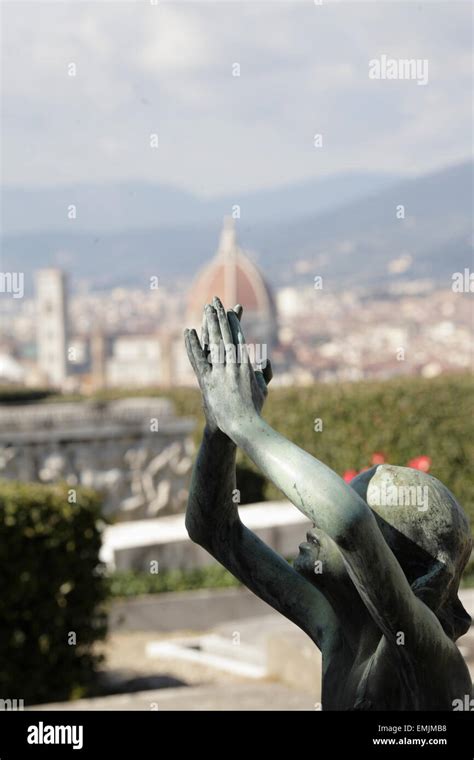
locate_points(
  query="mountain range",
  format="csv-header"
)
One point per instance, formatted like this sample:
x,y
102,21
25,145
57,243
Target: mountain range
x,y
348,228
124,206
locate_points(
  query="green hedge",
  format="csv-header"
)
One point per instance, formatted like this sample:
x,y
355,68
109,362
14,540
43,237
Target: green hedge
x,y
402,418
124,583
467,580
131,583
12,394
51,588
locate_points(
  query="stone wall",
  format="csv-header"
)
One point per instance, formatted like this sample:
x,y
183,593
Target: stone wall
x,y
135,451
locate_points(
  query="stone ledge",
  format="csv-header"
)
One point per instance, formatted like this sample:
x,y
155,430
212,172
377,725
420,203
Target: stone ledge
x,y
204,609
132,545
186,610
261,696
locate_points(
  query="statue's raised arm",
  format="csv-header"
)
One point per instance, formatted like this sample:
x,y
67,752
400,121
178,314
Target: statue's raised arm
x,y
212,517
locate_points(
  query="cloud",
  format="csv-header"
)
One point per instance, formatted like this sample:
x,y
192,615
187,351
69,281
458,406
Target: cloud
x,y
175,42
144,68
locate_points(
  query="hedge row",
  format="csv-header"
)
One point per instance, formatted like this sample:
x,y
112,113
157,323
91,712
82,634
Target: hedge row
x,y
131,583
12,394
401,418
52,591
124,583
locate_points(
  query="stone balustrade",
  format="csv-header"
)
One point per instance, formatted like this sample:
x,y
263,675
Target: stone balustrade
x,y
134,451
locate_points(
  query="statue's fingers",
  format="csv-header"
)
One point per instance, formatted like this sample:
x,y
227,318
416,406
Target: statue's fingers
x,y
215,336
238,309
235,327
202,364
267,372
261,381
227,337
189,351
213,324
204,331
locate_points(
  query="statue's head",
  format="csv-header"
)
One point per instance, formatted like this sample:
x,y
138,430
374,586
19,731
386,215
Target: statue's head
x,y
427,531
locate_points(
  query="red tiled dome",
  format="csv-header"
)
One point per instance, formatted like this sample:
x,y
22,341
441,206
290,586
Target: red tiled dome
x,y
233,277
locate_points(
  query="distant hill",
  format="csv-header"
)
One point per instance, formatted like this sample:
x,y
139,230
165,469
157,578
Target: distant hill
x,y
358,242
353,243
114,207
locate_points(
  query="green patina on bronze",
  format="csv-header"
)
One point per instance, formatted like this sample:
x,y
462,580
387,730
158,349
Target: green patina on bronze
x,y
375,585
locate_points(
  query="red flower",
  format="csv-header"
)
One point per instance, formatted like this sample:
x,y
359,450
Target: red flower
x,y
349,475
378,458
422,463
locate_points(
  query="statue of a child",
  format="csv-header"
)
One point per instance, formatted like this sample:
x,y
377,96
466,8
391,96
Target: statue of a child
x,y
384,611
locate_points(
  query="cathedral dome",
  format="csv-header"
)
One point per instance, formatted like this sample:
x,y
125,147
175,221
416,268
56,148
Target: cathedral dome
x,y
234,278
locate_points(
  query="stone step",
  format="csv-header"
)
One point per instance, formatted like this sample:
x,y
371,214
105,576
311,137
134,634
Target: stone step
x,y
134,544
225,610
212,652
236,696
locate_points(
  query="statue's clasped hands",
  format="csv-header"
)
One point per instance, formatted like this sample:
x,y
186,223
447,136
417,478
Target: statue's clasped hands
x,y
233,391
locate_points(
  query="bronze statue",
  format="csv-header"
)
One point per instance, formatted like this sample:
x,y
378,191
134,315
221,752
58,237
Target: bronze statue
x,y
383,605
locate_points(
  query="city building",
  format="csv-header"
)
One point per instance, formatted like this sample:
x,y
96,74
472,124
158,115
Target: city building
x,y
51,326
136,362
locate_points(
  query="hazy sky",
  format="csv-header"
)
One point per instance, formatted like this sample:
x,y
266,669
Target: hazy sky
x,y
167,69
